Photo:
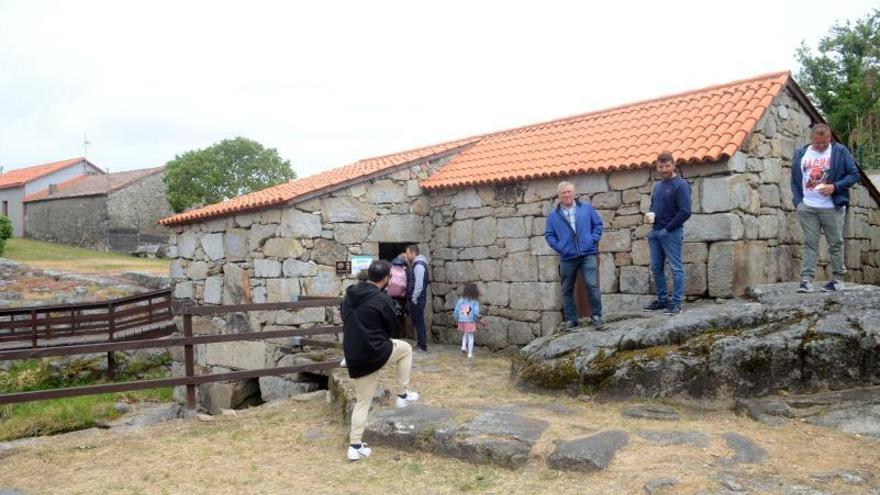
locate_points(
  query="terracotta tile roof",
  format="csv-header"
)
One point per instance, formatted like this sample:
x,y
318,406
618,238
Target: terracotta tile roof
x,y
327,180
18,177
697,126
92,185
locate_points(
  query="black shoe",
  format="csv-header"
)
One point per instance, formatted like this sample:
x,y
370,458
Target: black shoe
x,y
597,321
571,324
656,306
672,309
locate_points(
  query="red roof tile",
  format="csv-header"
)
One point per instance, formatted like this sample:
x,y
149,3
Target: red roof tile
x,y
697,126
297,188
91,185
18,177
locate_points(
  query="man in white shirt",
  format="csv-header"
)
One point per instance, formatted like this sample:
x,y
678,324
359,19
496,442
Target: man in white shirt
x,y
821,175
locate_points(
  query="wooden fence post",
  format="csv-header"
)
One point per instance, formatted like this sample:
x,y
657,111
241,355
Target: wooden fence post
x,y
111,355
188,360
34,329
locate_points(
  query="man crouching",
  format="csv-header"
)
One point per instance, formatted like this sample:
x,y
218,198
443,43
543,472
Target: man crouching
x,y
368,321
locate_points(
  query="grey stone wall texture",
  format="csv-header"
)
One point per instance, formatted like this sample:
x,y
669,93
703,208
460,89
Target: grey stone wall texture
x,y
743,232
78,221
124,220
133,216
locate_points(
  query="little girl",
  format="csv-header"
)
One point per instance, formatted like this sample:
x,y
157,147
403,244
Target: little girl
x,y
467,315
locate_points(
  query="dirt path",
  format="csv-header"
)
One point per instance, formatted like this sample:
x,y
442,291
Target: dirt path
x,y
299,448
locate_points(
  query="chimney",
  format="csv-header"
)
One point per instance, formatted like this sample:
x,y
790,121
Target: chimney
x,y
53,188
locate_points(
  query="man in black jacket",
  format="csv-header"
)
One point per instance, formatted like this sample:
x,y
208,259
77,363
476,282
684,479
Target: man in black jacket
x,y
368,321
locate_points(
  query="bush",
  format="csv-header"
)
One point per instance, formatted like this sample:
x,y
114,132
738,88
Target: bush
x,y
5,231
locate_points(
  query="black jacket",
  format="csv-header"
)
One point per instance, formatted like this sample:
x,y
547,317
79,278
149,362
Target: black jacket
x,y
368,321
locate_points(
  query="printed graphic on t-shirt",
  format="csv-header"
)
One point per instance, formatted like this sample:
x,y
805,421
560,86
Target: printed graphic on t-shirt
x,y
815,171
464,311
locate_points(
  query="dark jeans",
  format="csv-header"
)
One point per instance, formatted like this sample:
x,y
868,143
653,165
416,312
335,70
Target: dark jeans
x,y
568,269
417,312
667,246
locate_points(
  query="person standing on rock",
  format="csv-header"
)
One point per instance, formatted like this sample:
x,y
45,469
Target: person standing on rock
x,y
368,320
573,230
670,209
419,296
821,175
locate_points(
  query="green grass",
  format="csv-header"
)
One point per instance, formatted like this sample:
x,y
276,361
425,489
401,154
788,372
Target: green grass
x,y
54,416
61,257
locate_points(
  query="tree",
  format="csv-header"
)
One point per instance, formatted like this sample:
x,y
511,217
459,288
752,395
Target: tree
x,y
222,171
843,78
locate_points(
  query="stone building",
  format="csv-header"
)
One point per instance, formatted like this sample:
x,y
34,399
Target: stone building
x,y
117,212
477,206
18,183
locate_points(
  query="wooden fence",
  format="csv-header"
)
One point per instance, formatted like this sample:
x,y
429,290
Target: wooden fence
x,y
188,341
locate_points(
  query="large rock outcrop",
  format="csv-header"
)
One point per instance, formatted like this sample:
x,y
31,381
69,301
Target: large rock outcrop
x,y
777,340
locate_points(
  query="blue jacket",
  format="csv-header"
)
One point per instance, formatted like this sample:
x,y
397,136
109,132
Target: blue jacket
x,y
843,174
472,316
561,238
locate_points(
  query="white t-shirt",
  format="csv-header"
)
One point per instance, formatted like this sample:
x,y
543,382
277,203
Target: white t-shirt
x,y
815,167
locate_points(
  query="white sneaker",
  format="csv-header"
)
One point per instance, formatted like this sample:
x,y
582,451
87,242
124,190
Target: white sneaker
x,y
343,364
355,454
410,398
470,356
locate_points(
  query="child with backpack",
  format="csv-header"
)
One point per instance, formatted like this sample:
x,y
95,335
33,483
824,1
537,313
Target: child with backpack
x,y
467,315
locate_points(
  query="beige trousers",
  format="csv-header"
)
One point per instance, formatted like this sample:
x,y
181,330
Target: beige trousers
x,y
365,386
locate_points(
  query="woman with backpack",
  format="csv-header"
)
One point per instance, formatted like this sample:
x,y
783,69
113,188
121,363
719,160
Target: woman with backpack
x,y
399,288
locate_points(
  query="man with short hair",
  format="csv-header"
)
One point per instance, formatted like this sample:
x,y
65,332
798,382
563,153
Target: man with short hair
x,y
419,297
573,230
367,323
821,175
670,209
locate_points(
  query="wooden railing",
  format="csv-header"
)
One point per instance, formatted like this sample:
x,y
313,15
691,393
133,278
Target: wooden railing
x,y
188,341
116,319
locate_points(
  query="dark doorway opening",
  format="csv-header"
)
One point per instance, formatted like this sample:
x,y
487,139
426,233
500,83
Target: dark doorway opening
x,y
389,250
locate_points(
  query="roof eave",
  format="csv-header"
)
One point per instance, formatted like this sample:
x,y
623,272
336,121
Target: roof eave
x,y
320,191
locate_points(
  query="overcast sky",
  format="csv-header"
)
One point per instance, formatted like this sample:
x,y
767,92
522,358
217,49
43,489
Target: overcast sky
x,y
328,83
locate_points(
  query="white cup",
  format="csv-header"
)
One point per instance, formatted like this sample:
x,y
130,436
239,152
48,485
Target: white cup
x,y
649,217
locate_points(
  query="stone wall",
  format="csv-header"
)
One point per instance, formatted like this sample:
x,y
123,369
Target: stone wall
x,y
78,221
134,214
281,253
771,251
743,232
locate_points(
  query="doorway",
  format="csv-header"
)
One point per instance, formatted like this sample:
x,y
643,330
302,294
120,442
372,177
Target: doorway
x,y
389,250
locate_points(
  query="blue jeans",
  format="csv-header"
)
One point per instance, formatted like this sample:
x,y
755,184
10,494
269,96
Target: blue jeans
x,y
667,246
417,312
589,265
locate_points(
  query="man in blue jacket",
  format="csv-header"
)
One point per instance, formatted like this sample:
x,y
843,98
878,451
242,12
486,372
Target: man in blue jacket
x,y
670,208
821,175
573,231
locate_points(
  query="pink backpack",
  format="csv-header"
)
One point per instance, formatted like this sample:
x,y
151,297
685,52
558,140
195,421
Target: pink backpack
x,y
397,285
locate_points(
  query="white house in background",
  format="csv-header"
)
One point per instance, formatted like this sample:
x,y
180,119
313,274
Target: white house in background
x,y
16,184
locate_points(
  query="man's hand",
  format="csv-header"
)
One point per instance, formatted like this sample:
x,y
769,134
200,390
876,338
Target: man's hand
x,y
825,189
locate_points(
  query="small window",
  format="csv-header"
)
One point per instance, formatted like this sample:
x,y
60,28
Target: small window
x,y
6,208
